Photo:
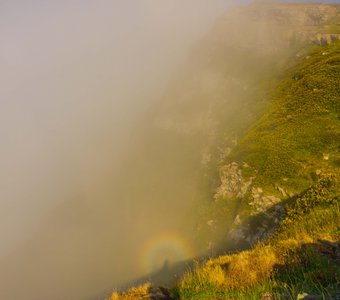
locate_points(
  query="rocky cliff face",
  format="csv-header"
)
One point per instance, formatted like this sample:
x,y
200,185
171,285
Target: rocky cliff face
x,y
288,22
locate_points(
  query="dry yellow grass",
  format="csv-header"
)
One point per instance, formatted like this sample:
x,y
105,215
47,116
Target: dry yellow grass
x,y
238,270
136,293
252,268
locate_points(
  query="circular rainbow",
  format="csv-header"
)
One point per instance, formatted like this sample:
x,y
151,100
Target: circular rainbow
x,y
164,249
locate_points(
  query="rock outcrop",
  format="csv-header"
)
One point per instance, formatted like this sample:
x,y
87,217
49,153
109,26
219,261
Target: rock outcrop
x,y
233,184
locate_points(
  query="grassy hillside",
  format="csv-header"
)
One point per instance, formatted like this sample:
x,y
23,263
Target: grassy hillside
x,y
302,257
295,145
259,124
291,152
297,139
299,132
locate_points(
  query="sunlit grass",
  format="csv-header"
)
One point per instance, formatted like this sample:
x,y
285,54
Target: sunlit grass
x,y
289,263
139,292
297,136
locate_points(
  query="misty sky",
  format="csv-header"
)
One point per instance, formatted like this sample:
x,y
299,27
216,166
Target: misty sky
x,y
76,78
74,75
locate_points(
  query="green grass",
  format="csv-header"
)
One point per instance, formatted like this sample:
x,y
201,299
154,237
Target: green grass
x,y
294,143
292,262
290,142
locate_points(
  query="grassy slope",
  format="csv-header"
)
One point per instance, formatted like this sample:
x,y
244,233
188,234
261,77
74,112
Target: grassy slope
x,y
298,137
300,258
302,124
287,146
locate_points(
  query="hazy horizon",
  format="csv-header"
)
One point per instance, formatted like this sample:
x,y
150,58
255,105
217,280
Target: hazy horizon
x,y
111,112
77,76
114,57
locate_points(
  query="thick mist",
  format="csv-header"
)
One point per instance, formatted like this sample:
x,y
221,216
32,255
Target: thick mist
x,y
82,209
116,118
74,77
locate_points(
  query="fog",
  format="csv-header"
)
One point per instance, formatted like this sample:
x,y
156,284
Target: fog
x,y
76,79
114,119
74,76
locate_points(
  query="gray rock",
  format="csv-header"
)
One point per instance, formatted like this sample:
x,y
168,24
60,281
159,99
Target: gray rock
x,y
232,182
261,202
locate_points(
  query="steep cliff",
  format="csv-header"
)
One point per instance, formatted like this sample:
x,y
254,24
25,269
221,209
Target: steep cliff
x,y
260,102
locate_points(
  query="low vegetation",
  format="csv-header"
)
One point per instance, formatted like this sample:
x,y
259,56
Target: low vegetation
x,y
300,131
295,144
301,257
